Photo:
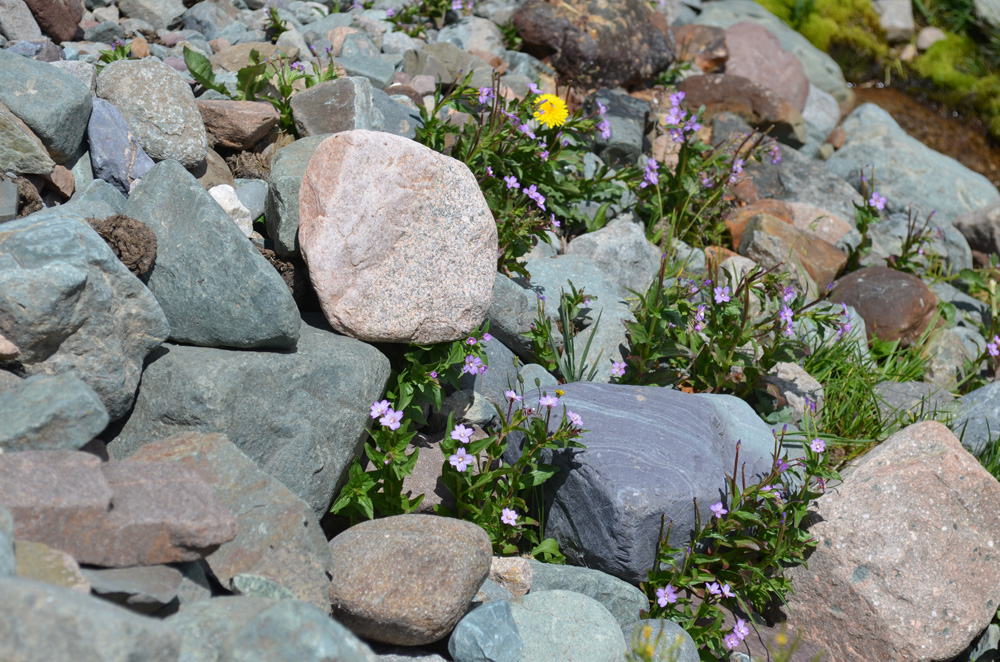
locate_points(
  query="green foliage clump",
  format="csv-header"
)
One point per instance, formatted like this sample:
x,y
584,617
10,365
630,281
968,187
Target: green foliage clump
x,y
852,24
965,79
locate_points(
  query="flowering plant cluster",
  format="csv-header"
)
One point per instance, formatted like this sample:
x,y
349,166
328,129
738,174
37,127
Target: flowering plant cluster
x,y
416,383
684,200
120,50
500,495
719,337
418,15
527,155
737,558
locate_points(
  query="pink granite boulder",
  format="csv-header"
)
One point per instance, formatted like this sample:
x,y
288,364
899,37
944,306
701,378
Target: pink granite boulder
x,y
757,54
400,243
906,566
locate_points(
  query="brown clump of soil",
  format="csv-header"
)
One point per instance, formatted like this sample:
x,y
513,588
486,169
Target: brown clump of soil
x,y
249,165
131,241
293,272
28,198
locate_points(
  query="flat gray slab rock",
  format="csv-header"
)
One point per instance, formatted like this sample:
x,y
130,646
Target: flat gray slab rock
x,y
68,303
278,535
43,622
650,450
623,600
301,416
216,289
567,626
144,589
43,412
159,108
55,104
281,207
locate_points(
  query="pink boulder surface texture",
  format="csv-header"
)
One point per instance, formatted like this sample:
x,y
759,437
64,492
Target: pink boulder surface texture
x,y
907,565
400,243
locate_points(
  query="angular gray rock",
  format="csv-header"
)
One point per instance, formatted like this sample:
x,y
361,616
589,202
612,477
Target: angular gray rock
x,y
627,118
53,103
338,105
281,208
161,14
670,641
143,589
486,634
300,415
115,154
621,250
215,288
16,21
977,421
206,629
512,312
77,308
623,600
20,149
43,412
43,622
606,512
278,536
566,626
158,106
255,586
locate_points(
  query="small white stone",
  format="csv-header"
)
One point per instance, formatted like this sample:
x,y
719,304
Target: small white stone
x,y
225,195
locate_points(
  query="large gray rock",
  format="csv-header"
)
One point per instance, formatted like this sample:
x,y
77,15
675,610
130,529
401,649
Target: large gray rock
x,y
45,412
68,303
567,626
820,68
115,154
16,21
53,103
207,628
301,415
43,622
605,512
338,105
159,107
670,641
512,312
278,537
161,14
143,589
907,171
888,235
621,250
977,422
623,600
281,208
20,151
214,286
486,634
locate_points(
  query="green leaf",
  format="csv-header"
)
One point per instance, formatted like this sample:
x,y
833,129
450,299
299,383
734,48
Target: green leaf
x,y
201,70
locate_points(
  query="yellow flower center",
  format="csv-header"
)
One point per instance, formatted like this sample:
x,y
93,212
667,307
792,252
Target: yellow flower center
x,y
551,110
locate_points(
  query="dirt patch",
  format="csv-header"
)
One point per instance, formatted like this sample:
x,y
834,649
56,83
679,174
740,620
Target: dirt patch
x,y
131,241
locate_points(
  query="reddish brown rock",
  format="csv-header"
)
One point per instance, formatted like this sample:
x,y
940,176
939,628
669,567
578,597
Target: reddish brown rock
x,y
736,219
62,181
894,305
59,19
139,47
756,104
513,573
115,515
400,243
237,125
906,566
213,171
8,350
756,54
702,45
819,222
279,537
768,240
597,43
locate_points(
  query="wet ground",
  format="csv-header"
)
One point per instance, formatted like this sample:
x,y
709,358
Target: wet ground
x,y
961,137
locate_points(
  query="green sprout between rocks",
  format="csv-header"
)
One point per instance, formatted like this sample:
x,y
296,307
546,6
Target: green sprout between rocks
x,y
561,357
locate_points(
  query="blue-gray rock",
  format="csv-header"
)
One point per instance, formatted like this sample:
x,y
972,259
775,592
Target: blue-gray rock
x,y
919,400
490,591
207,18
76,308
195,586
206,628
511,314
627,117
501,376
252,193
50,412
623,600
399,119
143,589
161,14
255,586
550,275
79,166
907,171
472,33
307,441
537,378
16,21
317,29
216,289
104,32
378,70
85,72
972,312
293,631
8,200
115,154
281,209
621,250
486,634
985,646
977,423
20,151
820,68
43,622
158,106
8,564
337,105
671,642
605,512
53,103
96,199
888,235
567,626
238,33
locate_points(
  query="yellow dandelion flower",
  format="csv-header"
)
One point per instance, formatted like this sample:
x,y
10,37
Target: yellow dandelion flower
x,y
551,110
